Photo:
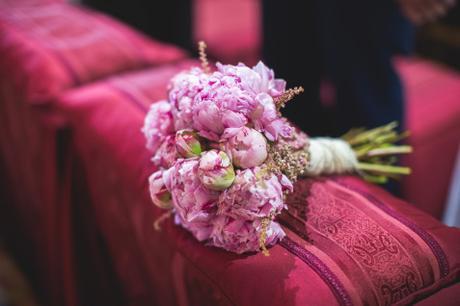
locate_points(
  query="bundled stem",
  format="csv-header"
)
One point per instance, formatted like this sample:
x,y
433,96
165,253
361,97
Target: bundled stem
x,y
376,151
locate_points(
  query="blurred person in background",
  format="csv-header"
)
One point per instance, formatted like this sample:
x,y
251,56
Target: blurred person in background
x,y
351,44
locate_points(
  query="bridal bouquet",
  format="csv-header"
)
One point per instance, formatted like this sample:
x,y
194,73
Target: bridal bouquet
x,y
227,157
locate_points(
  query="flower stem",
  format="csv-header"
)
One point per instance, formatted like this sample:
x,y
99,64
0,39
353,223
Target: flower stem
x,y
384,169
377,152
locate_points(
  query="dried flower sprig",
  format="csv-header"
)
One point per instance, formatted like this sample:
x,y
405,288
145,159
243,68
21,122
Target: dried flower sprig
x,y
288,160
288,95
203,56
264,224
157,223
263,235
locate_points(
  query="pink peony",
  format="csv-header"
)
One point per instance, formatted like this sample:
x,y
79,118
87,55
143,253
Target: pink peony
x,y
231,97
234,109
191,199
266,118
158,124
159,194
213,113
274,87
182,90
298,140
255,193
216,170
247,147
239,235
201,226
207,120
259,79
188,143
166,154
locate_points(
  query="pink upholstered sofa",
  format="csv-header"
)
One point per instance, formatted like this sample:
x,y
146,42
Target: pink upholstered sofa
x,y
78,211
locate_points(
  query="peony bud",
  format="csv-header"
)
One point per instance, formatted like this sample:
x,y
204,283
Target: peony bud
x,y
248,148
166,154
187,143
216,170
158,192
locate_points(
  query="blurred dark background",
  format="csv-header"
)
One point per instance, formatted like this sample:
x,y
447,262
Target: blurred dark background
x,y
439,40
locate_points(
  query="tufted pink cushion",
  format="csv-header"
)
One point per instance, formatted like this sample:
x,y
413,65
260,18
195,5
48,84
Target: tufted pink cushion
x,y
53,46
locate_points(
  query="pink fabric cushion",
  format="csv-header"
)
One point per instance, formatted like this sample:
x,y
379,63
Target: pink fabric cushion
x,y
447,297
47,47
348,243
433,118
50,47
29,198
35,192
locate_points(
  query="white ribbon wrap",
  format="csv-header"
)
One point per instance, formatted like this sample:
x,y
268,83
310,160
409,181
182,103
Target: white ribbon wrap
x,y
330,156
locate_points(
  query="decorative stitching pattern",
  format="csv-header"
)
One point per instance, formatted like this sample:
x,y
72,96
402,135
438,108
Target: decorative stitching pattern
x,y
424,235
376,251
